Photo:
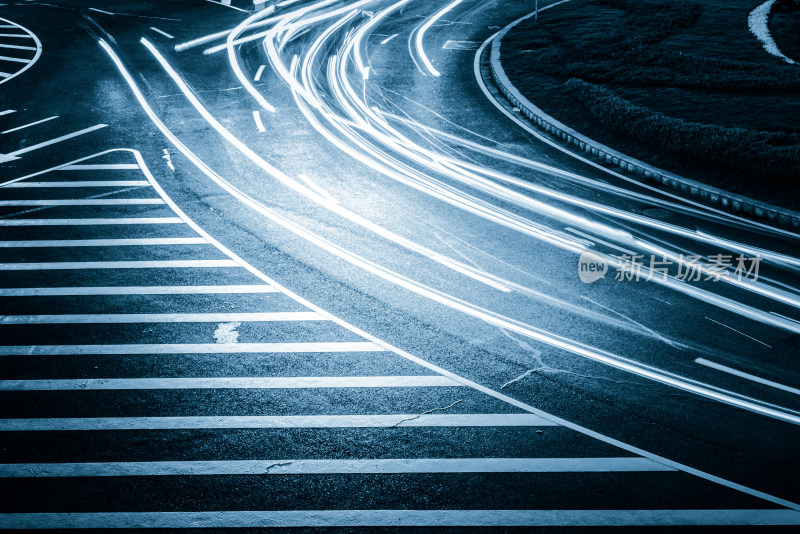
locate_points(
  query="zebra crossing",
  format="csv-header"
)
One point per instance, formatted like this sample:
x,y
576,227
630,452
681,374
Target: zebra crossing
x,y
150,378
19,49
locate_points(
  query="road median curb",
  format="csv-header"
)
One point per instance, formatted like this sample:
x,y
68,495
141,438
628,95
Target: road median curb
x,y
717,197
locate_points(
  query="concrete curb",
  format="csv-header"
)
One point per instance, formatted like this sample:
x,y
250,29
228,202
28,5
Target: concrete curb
x,y
712,195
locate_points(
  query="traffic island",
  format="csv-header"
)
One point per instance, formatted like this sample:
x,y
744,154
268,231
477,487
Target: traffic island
x,y
683,91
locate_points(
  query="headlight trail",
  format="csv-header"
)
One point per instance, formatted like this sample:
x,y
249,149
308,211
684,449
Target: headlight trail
x,y
371,139
419,33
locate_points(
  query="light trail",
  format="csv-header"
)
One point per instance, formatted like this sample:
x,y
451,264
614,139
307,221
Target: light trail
x,y
419,34
304,94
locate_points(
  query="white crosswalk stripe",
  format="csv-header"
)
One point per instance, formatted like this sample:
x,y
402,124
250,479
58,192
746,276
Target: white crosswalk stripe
x,y
291,373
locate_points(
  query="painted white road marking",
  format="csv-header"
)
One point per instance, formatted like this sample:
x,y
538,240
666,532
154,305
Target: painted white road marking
x,y
257,119
134,290
279,382
29,124
332,467
28,63
14,59
461,45
90,222
17,47
389,38
276,421
189,348
81,265
122,318
165,34
7,111
16,153
259,72
398,518
84,202
98,183
61,243
748,376
99,167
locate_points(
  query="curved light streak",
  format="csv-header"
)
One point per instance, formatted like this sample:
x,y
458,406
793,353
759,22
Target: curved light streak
x,y
420,33
440,162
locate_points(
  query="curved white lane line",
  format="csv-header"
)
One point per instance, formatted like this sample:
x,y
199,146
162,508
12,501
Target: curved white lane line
x,y
35,57
758,22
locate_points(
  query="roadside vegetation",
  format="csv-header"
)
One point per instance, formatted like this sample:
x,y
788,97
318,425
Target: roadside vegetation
x,y
785,27
684,78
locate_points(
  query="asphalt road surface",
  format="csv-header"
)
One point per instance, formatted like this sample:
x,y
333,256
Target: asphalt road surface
x,y
296,264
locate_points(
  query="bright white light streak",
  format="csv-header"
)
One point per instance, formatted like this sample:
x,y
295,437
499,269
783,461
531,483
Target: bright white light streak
x,y
310,193
452,302
421,33
473,179
602,229
234,61
365,28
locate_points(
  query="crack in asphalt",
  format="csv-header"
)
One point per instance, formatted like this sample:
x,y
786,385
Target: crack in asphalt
x,y
426,413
